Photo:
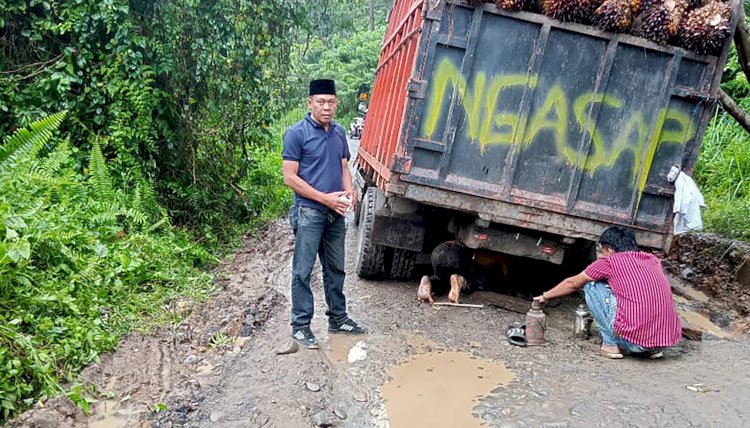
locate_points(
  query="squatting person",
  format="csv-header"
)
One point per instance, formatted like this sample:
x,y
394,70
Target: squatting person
x,y
628,295
316,166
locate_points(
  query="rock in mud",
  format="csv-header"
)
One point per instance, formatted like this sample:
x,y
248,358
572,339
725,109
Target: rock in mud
x,y
289,348
340,413
191,359
489,417
314,387
43,421
323,419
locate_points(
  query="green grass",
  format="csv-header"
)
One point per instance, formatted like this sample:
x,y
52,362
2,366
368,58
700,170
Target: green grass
x,y
723,174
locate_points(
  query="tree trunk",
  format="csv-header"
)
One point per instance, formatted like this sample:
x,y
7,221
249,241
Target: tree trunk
x,y
742,42
372,15
734,110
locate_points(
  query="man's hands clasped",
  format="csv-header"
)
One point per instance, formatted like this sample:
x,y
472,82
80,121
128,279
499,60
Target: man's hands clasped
x,y
340,202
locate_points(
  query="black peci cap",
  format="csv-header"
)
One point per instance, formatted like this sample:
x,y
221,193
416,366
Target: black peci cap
x,y
322,87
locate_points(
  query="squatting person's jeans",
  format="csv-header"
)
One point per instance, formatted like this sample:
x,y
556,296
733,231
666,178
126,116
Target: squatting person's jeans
x,y
323,234
603,306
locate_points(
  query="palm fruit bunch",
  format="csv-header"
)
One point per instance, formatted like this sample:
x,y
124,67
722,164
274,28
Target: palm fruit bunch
x,y
570,10
695,4
661,21
614,15
511,4
704,30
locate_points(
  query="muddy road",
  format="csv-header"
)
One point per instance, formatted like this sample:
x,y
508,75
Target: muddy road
x,y
420,365
226,364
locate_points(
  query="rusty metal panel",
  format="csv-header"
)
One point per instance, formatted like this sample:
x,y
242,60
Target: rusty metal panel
x,y
528,113
380,139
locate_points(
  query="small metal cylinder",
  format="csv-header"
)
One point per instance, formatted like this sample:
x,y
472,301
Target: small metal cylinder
x,y
582,327
535,325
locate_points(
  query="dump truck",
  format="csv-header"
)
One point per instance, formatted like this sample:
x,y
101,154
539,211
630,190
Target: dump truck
x,y
520,134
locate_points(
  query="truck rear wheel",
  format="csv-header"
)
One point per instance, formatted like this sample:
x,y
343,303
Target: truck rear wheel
x,y
358,210
370,257
402,266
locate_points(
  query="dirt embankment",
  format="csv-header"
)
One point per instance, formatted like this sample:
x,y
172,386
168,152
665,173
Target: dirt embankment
x,y
715,266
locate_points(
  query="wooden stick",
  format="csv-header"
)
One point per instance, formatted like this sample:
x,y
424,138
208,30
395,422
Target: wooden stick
x,y
734,110
742,42
462,305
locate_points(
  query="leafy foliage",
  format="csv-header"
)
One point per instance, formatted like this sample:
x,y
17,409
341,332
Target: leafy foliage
x,y
723,169
80,264
170,121
349,60
179,92
335,41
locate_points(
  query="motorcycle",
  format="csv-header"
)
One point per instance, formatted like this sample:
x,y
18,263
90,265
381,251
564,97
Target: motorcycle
x,y
356,127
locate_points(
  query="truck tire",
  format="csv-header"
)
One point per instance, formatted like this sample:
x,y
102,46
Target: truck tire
x,y
370,257
358,209
402,267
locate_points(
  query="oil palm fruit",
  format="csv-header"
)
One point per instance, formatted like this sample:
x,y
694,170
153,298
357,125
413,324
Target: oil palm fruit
x,y
695,4
613,15
661,21
570,10
704,30
511,4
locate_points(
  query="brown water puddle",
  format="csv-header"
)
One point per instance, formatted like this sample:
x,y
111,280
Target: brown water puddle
x,y
703,323
694,294
440,388
339,345
113,413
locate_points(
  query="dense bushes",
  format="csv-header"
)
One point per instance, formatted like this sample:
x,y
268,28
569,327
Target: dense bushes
x,y
180,92
81,262
170,106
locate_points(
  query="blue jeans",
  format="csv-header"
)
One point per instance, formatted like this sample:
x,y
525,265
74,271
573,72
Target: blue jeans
x,y
322,234
603,306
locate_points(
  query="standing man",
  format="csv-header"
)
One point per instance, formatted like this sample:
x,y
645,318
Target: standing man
x,y
628,295
316,166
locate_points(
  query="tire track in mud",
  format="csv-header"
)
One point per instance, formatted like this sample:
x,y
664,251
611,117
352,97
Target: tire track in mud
x,y
259,388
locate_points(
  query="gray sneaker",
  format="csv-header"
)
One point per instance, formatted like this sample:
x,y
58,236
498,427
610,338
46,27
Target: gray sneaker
x,y
305,337
347,326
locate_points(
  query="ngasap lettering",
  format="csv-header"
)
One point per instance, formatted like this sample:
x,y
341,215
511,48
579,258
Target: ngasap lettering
x,y
486,126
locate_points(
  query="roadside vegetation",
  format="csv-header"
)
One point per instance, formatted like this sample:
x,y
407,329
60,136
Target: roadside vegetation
x,y
139,140
723,168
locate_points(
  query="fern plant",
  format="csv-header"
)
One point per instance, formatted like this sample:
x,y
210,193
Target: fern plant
x,y
82,260
26,143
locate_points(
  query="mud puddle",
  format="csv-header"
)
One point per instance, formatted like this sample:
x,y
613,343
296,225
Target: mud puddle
x,y
440,387
339,347
687,294
704,324
112,413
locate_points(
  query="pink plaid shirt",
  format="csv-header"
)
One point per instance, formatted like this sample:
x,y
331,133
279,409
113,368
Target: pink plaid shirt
x,y
646,313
